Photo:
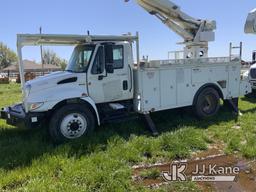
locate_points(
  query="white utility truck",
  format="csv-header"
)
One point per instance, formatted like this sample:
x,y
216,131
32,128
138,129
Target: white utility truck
x,y
250,28
103,83
252,72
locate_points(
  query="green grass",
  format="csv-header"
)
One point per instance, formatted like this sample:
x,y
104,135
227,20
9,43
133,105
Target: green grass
x,y
30,162
150,173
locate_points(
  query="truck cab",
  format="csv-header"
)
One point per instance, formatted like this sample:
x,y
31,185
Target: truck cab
x,y
97,83
101,72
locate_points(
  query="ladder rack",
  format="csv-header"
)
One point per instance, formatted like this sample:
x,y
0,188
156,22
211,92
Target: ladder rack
x,y
232,48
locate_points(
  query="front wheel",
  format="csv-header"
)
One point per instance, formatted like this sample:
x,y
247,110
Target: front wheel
x,y
207,103
71,122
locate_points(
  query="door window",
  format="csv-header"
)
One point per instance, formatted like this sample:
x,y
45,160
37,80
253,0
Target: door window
x,y
98,64
118,56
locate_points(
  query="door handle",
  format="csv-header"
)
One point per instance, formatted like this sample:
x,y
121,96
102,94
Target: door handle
x,y
125,85
196,70
131,77
100,77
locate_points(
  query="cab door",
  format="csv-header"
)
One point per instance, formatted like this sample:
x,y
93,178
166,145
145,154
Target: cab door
x,y
109,77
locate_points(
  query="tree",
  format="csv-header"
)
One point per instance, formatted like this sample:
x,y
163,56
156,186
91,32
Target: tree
x,y
7,56
50,57
63,64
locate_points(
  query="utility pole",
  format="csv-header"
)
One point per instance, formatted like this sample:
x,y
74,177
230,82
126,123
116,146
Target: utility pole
x,y
41,50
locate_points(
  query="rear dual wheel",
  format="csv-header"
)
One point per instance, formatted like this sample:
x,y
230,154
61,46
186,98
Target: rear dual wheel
x,y
207,103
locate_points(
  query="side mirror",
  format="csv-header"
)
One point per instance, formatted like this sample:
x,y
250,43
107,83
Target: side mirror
x,y
109,68
254,57
109,54
109,60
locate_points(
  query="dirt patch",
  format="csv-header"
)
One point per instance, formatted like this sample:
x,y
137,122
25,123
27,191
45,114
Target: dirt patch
x,y
214,156
14,185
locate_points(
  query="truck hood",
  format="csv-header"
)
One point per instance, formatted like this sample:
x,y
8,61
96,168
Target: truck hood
x,y
54,88
52,80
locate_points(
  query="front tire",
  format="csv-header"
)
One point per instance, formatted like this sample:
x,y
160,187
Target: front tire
x,y
71,122
207,103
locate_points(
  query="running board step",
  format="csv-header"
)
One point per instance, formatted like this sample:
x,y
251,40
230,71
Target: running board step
x,y
116,106
119,118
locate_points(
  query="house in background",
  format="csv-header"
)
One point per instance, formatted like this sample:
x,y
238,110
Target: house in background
x,y
31,69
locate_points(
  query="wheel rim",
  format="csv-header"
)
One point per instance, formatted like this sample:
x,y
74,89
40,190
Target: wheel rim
x,y
209,104
73,125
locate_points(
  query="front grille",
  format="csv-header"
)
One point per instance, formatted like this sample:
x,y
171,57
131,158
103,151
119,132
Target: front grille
x,y
253,73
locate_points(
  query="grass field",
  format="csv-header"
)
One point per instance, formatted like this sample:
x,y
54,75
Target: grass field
x,y
30,162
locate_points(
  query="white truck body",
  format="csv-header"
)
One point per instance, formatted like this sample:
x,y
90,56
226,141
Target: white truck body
x,y
149,87
171,84
154,86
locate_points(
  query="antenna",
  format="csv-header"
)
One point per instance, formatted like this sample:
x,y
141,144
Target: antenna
x,y
41,50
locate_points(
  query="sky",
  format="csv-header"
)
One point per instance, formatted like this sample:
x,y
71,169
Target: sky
x,y
114,17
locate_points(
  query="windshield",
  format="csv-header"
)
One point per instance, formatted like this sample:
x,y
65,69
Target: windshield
x,y
80,59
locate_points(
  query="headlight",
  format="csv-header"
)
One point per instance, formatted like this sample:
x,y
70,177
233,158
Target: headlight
x,y
27,90
34,106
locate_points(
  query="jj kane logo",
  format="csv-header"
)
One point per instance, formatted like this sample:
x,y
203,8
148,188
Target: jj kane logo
x,y
177,173
201,172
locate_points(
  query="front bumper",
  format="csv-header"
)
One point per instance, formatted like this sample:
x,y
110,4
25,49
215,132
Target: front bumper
x,y
16,116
